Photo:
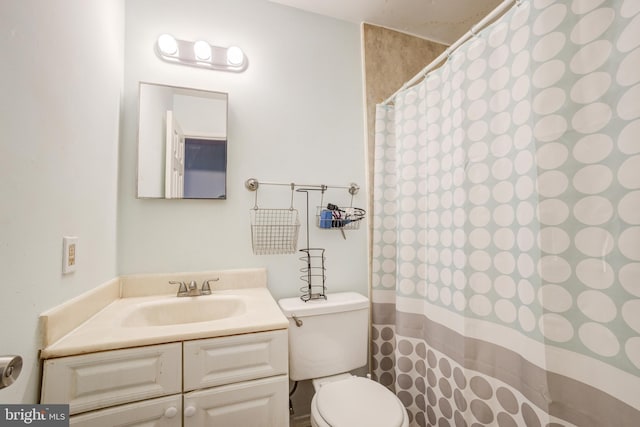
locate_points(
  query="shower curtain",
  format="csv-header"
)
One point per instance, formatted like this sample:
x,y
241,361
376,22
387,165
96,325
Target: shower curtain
x,y
506,225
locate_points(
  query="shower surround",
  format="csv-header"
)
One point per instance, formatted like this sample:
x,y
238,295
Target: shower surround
x,y
506,225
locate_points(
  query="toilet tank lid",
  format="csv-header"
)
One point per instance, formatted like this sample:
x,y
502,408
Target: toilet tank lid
x,y
335,303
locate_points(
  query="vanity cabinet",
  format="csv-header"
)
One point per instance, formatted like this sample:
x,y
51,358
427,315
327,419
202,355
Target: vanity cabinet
x,y
226,381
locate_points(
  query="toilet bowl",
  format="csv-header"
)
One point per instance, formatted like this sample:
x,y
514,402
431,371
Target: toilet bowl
x,y
356,401
328,339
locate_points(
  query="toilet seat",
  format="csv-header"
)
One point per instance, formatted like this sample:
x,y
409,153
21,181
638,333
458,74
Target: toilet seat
x,y
357,402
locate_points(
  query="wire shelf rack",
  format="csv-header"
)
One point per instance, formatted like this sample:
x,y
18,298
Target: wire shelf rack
x,y
275,231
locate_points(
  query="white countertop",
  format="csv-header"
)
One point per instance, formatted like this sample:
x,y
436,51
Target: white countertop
x,y
105,329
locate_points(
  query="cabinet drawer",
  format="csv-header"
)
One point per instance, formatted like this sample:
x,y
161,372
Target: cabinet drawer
x,y
226,360
159,412
258,403
108,378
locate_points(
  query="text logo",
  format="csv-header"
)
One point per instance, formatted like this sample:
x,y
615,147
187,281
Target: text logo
x,y
34,415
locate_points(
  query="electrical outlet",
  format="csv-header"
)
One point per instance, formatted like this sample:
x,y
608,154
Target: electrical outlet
x,y
69,254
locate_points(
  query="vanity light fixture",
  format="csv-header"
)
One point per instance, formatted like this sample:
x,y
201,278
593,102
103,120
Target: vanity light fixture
x,y
200,54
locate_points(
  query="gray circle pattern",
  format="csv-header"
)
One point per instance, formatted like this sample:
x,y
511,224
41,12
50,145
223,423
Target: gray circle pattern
x,y
442,392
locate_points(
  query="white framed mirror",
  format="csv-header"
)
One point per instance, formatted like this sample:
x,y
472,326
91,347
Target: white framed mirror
x,y
182,143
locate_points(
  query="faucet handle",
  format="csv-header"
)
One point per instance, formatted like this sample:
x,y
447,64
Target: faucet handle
x,y
182,289
206,286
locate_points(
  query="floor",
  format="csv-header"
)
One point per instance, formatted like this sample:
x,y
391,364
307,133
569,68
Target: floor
x,y
300,421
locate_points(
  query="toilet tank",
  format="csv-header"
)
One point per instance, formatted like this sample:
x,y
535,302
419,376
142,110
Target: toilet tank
x,y
330,336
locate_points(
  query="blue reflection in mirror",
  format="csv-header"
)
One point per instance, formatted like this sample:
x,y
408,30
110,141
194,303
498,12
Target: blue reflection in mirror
x,y
205,168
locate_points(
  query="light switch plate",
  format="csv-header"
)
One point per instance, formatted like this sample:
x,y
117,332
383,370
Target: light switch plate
x,y
69,254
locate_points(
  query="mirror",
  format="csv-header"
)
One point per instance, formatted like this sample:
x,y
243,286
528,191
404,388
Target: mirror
x,y
182,143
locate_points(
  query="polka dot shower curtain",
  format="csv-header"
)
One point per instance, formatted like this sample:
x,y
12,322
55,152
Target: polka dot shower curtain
x,y
506,242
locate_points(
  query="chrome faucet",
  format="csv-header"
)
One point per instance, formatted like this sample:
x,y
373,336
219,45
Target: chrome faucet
x,y
191,289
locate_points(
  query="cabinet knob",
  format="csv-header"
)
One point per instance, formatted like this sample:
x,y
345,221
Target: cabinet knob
x,y
171,412
189,411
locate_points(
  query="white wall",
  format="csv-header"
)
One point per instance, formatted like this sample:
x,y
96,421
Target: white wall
x,y
60,80
295,115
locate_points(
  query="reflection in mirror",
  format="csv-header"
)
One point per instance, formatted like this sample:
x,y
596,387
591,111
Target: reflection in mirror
x,y
182,143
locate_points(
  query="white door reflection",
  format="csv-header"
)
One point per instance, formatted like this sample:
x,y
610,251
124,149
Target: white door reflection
x,y
174,164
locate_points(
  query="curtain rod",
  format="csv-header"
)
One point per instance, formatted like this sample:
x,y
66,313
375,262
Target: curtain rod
x,y
500,9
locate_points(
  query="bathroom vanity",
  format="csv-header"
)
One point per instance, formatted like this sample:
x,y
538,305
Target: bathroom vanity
x,y
140,359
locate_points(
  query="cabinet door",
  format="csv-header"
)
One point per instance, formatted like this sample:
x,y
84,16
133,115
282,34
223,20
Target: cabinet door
x,y
160,412
226,360
257,403
98,380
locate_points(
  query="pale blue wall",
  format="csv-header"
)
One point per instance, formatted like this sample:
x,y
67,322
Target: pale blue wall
x,y
69,121
296,114
60,80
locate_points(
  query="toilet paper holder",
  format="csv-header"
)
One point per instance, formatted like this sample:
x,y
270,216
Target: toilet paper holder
x,y
10,368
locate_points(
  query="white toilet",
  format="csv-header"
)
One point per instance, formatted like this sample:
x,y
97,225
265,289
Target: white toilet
x,y
327,339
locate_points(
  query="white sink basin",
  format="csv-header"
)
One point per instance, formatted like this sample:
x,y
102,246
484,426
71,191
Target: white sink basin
x,y
177,311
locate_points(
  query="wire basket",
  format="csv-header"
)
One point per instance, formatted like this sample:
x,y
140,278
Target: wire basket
x,y
274,231
332,217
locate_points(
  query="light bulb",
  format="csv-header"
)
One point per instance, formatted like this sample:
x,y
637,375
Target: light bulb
x,y
235,56
202,50
167,44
